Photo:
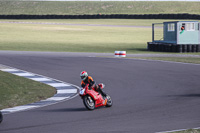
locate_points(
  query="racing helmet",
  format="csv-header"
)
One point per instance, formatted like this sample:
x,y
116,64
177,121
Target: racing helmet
x,y
83,75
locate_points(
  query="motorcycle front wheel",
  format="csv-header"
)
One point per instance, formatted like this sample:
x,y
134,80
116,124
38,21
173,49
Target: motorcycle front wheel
x,y
89,102
1,117
109,101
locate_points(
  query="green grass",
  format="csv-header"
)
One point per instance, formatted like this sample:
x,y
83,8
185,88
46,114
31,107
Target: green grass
x,y
15,90
82,38
69,38
87,7
77,38
131,22
195,60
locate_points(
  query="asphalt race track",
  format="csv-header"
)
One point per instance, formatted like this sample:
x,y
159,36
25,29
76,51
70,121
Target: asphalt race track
x,y
148,96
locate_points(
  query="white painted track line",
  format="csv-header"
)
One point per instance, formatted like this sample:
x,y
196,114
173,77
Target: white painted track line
x,y
58,84
18,108
23,74
67,93
9,70
40,79
56,99
177,130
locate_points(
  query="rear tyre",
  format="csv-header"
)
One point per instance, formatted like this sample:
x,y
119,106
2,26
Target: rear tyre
x,y
109,101
89,102
1,117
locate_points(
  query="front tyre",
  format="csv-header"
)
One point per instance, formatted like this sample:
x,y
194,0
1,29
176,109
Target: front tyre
x,y
89,102
109,101
1,117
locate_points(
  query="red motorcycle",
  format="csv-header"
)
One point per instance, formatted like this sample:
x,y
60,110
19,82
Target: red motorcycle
x,y
93,99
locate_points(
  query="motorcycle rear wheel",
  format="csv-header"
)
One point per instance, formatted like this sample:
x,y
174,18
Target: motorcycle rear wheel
x,y
1,117
89,102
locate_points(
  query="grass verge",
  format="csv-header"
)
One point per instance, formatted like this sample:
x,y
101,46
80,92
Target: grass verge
x,y
74,38
104,36
15,90
9,7
194,60
188,131
101,36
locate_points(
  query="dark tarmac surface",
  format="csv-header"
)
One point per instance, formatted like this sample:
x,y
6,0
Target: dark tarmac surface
x,y
148,96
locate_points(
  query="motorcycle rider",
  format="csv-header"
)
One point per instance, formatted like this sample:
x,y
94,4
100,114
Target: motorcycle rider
x,y
89,80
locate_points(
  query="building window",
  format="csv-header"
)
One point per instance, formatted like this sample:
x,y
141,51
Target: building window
x,y
171,27
190,27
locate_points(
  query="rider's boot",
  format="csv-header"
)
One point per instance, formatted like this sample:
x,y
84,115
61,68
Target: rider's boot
x,y
101,92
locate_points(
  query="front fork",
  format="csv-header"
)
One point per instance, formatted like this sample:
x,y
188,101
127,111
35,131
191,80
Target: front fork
x,y
89,97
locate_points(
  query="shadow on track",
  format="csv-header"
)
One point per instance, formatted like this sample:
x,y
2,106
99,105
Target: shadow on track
x,y
68,110
186,96
190,95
